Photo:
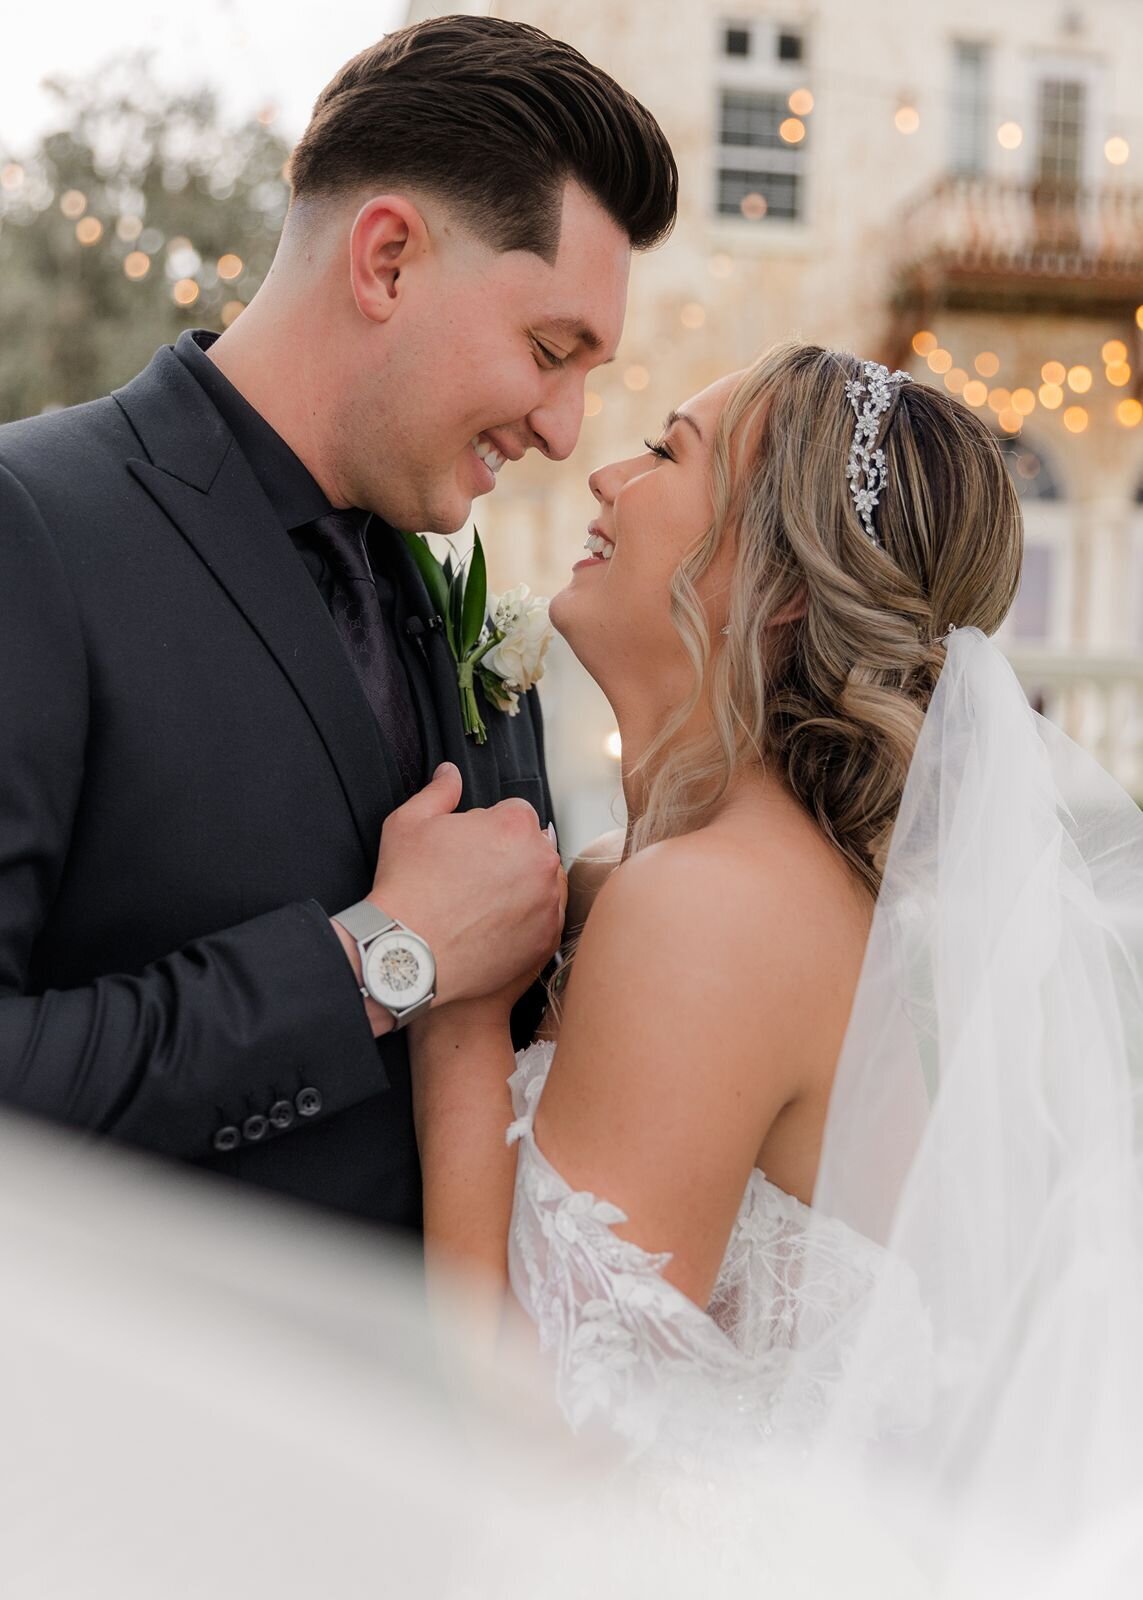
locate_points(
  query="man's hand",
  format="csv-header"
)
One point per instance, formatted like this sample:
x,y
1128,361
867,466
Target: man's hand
x,y
484,888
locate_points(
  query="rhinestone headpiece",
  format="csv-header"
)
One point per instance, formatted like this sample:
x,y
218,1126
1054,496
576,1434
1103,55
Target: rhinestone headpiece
x,y
871,395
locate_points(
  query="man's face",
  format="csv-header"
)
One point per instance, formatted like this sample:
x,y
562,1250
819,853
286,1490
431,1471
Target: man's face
x,y
486,357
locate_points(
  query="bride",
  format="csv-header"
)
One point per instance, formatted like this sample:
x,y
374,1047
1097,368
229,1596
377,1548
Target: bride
x,y
828,1142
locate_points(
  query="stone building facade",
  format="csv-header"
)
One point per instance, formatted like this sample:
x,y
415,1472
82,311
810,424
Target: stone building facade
x,y
956,187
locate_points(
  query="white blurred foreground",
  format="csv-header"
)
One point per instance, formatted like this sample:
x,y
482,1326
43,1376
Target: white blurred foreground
x,y
207,1394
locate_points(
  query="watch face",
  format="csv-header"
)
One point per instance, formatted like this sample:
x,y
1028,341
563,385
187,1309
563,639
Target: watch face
x,y
398,970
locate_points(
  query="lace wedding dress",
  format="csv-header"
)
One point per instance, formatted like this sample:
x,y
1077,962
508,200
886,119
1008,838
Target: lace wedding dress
x,y
764,1360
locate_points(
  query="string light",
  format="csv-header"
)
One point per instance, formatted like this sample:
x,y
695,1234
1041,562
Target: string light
x,y
1119,374
1129,413
137,265
907,119
230,267
1023,402
792,130
955,380
1011,421
987,364
636,377
939,360
1114,350
924,342
753,206
73,204
801,102
1051,395
1079,379
592,403
1053,372
185,292
231,311
129,228
1010,135
999,399
693,315
975,392
1117,150
89,230
1075,419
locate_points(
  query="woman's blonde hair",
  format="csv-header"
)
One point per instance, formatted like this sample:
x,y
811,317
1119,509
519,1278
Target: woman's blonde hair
x,y
831,655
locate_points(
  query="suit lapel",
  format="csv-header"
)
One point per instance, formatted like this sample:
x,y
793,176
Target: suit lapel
x,y
199,478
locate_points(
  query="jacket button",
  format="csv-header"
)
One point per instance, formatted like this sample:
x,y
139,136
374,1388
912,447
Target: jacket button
x,y
254,1128
308,1102
227,1138
282,1113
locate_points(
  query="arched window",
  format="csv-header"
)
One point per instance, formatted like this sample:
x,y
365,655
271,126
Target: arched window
x,y
1039,613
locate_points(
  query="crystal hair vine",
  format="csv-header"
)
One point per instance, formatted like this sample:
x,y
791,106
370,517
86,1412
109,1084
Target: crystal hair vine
x,y
871,396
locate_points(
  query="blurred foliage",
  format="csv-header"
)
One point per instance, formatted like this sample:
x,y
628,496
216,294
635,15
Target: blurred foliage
x,y
171,187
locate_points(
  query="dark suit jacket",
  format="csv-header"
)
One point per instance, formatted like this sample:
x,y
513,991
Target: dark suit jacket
x,y
190,780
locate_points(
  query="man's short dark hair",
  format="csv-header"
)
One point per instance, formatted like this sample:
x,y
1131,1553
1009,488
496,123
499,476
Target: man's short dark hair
x,y
493,117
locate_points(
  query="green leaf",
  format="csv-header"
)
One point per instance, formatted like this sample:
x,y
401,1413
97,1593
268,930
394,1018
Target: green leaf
x,y
455,610
475,597
430,569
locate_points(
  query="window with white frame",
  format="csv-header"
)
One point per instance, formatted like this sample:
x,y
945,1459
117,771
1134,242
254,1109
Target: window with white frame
x,y
762,126
1061,117
970,108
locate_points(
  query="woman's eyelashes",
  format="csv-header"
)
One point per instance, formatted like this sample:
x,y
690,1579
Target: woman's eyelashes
x,y
660,449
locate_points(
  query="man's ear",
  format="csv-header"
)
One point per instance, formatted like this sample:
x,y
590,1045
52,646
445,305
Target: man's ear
x,y
388,234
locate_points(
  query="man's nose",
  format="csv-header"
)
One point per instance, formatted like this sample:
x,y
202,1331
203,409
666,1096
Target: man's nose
x,y
556,424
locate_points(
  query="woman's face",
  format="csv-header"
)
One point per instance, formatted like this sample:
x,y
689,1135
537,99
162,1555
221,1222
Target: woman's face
x,y
652,509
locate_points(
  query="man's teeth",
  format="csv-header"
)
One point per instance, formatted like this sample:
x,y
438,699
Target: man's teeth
x,y
599,546
491,457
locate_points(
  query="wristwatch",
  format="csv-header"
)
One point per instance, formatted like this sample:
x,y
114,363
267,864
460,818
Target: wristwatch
x,y
397,966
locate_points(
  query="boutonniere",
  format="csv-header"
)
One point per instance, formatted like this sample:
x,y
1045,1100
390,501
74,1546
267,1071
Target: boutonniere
x,y
503,645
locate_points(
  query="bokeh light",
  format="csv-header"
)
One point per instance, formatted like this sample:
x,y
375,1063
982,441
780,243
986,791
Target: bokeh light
x,y
1075,419
987,364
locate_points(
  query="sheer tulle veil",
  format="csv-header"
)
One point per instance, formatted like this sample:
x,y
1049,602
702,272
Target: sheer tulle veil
x,y
983,1127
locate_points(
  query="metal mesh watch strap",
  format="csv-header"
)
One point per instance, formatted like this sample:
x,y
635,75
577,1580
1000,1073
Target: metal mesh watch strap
x,y
364,921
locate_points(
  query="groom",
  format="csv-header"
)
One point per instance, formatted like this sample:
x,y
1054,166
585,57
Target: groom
x,y
221,674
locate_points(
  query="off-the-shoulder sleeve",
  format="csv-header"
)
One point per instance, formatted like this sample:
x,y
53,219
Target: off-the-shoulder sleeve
x,y
629,1349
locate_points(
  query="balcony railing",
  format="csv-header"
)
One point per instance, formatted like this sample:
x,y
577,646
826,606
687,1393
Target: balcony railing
x,y
1096,699
992,244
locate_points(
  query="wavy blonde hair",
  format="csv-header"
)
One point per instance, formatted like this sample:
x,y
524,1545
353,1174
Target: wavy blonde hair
x,y
834,699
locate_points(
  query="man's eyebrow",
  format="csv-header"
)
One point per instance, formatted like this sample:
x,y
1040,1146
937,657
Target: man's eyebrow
x,y
681,416
572,328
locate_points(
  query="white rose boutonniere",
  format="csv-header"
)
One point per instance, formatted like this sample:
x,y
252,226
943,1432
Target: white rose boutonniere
x,y
505,650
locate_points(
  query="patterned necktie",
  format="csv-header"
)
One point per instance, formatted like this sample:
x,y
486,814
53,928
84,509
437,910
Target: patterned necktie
x,y
366,632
